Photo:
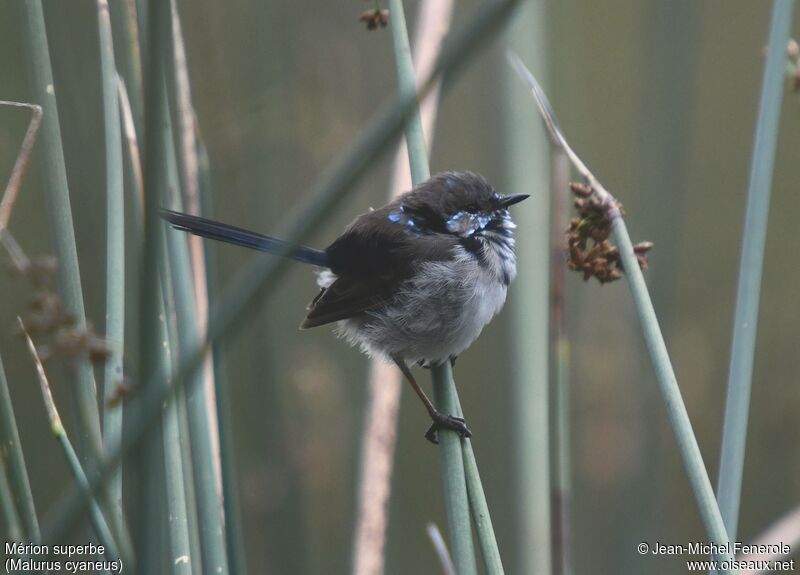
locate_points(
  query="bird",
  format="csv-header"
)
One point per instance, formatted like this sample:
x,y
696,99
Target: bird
x,y
412,282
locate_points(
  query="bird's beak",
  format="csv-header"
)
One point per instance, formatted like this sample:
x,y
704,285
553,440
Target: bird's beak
x,y
513,199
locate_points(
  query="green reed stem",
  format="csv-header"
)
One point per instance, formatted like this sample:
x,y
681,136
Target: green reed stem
x,y
96,517
528,169
126,30
671,393
651,332
160,440
14,463
490,552
740,373
234,534
59,211
456,500
205,462
210,519
8,509
176,512
115,253
444,390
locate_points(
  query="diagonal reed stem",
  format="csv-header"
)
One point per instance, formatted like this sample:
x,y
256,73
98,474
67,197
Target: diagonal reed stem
x,y
653,339
21,163
439,545
96,517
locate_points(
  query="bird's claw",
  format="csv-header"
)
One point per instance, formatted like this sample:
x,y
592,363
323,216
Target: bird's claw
x,y
451,422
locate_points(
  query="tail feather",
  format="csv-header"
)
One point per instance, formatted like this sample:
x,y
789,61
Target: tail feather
x,y
241,237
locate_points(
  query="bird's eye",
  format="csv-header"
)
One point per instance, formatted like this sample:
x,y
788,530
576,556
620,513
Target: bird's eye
x,y
473,208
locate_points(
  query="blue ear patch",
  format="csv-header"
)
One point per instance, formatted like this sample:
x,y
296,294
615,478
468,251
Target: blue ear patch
x,y
466,223
399,216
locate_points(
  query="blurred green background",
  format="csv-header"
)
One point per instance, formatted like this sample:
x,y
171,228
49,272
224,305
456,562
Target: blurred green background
x,y
658,98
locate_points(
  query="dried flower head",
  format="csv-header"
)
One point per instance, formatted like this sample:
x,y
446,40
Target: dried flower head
x,y
74,343
374,18
48,319
589,249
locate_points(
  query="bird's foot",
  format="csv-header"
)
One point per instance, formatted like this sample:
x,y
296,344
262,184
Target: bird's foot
x,y
442,421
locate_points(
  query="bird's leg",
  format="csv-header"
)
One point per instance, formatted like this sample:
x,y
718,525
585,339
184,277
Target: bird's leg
x,y
440,420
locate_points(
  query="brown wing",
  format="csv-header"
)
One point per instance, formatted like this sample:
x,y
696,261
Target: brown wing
x,y
345,298
371,259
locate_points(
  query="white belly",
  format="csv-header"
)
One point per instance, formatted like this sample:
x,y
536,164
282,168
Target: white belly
x,y
436,315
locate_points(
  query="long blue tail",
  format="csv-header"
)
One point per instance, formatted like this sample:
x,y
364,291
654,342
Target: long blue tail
x,y
233,235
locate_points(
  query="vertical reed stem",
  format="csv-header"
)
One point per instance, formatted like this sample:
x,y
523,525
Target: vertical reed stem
x,y
59,211
444,390
748,289
115,254
528,169
383,404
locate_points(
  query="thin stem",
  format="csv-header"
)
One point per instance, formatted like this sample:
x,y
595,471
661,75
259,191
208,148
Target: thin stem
x,y
440,547
21,163
490,552
170,457
653,339
136,178
668,383
528,171
740,372
236,304
456,500
10,516
480,513
176,503
207,488
158,439
185,539
234,535
115,253
377,462
57,202
407,87
14,463
96,517
560,349
126,30
191,319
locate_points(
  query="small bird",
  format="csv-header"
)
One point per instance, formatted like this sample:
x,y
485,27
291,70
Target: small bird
x,y
412,282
